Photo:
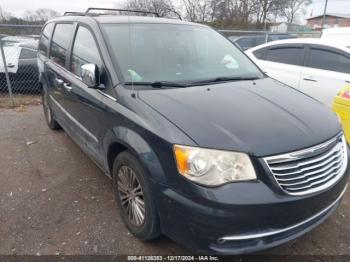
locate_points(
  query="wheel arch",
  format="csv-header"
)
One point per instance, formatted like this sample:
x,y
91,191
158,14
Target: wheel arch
x,y
126,139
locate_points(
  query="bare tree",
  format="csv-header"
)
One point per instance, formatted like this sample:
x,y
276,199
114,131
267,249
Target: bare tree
x,y
164,8
289,8
39,15
266,7
1,14
199,10
46,14
29,15
4,16
223,13
246,9
190,9
237,13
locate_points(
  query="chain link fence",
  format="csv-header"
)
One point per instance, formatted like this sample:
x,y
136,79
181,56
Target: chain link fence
x,y
19,77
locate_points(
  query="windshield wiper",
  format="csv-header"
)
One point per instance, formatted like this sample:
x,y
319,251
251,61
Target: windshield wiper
x,y
225,79
157,84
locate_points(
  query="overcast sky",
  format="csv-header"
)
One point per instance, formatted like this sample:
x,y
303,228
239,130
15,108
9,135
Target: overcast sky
x,y
18,7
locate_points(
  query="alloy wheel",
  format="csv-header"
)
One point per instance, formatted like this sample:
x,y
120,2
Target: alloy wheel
x,y
131,196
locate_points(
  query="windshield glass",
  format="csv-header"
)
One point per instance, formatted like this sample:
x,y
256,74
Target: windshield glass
x,y
175,53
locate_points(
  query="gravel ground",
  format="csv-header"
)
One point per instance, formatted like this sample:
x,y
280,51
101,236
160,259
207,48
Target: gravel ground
x,y
54,200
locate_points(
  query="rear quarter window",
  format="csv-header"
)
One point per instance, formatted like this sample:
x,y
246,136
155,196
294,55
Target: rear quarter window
x,y
260,53
286,55
60,43
328,60
45,38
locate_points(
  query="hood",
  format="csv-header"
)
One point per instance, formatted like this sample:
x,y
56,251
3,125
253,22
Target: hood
x,y
260,118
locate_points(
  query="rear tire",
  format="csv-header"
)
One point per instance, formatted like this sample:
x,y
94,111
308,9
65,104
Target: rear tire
x,y
49,117
134,197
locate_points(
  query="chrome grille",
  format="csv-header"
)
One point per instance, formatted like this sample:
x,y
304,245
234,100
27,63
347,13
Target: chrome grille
x,y
310,170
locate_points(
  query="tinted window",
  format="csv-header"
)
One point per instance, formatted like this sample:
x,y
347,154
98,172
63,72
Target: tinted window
x,y
85,51
260,53
27,54
60,42
45,38
286,55
328,60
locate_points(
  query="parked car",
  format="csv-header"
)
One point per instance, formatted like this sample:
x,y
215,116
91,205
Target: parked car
x,y
339,34
246,42
249,41
21,59
281,36
314,66
20,40
200,145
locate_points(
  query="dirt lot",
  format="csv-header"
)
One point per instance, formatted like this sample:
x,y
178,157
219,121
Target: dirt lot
x,y
18,100
54,200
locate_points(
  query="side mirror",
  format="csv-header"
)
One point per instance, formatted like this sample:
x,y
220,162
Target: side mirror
x,y
90,75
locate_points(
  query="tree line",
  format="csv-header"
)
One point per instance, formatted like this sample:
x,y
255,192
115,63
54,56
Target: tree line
x,y
37,17
31,21
242,14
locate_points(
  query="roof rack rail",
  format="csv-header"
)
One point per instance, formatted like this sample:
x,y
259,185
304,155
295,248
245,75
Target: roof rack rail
x,y
73,13
119,10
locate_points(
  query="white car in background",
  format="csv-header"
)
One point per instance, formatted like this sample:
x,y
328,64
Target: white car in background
x,y
317,67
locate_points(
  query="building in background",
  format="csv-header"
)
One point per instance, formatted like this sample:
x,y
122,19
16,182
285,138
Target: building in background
x,y
284,27
332,20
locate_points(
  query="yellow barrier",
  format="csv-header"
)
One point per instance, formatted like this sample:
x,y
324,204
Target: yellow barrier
x,y
341,106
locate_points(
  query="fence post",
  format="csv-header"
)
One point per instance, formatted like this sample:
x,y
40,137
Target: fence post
x,y
6,72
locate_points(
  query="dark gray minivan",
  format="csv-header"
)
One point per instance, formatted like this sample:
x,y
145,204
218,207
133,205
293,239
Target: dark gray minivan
x,y
200,144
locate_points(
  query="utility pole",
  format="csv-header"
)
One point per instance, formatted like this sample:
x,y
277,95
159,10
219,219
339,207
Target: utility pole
x,y
324,15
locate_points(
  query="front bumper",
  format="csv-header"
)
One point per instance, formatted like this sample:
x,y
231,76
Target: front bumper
x,y
247,226
236,244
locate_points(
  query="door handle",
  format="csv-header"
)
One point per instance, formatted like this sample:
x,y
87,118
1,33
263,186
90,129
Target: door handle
x,y
10,65
347,81
310,79
67,87
59,81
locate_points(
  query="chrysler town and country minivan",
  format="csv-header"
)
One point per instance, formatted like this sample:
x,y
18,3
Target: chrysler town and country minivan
x,y
201,145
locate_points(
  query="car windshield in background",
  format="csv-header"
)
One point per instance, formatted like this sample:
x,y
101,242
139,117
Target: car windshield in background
x,y
183,54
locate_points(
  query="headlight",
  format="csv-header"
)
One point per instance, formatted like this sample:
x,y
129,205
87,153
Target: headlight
x,y
213,167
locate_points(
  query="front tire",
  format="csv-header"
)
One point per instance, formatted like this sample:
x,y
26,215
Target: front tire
x,y
134,197
49,117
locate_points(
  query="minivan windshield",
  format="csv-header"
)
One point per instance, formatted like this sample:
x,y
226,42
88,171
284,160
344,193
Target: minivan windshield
x,y
182,54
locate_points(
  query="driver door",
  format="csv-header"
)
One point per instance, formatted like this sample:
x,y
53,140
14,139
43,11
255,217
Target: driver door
x,y
84,103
